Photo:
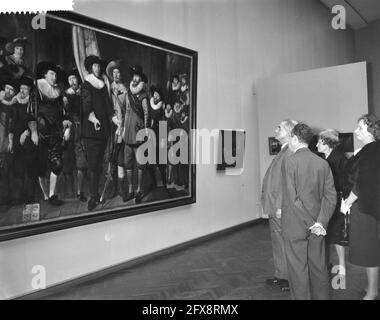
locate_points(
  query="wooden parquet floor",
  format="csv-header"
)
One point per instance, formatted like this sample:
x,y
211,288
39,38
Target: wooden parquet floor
x,y
233,266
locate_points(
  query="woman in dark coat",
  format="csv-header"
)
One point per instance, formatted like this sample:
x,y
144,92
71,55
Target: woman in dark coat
x,y
364,205
328,143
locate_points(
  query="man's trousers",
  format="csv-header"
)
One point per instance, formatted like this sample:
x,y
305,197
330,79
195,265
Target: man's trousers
x,y
278,249
308,274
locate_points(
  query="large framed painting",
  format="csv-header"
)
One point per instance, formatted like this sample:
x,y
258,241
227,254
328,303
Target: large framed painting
x,y
95,123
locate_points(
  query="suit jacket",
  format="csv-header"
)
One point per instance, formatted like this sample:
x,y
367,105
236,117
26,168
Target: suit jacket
x,y
309,194
271,198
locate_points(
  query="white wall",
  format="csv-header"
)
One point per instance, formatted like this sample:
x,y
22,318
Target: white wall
x,y
325,98
367,47
237,41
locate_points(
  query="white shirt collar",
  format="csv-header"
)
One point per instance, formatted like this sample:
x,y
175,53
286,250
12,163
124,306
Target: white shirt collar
x,y
302,146
95,82
48,90
284,145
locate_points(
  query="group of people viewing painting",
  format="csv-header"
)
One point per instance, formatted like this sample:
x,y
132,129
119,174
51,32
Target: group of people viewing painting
x,y
314,201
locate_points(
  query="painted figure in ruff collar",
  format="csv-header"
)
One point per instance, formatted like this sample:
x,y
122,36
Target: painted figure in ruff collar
x,y
184,94
7,100
96,123
120,103
135,120
25,141
174,91
74,158
53,127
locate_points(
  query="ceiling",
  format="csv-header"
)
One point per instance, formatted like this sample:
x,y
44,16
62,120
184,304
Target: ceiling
x,y
360,13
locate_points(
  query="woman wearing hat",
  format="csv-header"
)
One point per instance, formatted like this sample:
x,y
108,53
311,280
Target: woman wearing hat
x,y
25,140
96,123
53,127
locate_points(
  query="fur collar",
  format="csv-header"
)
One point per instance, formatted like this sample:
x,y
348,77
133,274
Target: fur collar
x,y
51,92
94,81
176,88
138,88
155,106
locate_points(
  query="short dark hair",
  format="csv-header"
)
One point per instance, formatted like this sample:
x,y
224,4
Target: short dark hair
x,y
330,137
373,125
303,132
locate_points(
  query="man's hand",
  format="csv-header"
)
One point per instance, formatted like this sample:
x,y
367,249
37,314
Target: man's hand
x,y
66,135
66,124
65,101
23,137
344,208
34,137
278,213
116,121
10,146
318,229
94,120
96,124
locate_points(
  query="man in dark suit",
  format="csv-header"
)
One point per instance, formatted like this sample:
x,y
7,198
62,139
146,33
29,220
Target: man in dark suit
x,y
308,202
271,203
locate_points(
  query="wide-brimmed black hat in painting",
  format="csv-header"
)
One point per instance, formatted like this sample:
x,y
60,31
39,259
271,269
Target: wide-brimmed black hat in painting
x,y
156,88
137,70
3,42
184,76
72,72
7,78
92,59
26,81
45,66
17,42
174,76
